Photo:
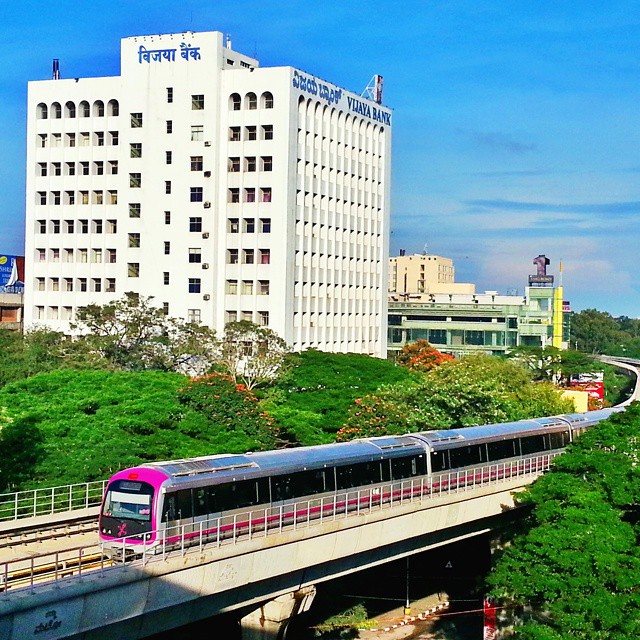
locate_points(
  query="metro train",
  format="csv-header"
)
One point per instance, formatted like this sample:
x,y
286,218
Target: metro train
x,y
161,502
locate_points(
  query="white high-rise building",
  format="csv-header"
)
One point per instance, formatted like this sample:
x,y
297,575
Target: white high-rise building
x,y
224,190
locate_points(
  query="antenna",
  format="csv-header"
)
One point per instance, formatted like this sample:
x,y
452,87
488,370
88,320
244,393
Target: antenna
x,y
373,90
426,249
55,72
228,43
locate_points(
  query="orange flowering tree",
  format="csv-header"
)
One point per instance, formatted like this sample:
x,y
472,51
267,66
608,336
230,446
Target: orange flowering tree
x,y
421,356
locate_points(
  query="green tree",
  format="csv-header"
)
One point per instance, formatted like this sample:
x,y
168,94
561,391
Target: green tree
x,y
251,354
577,564
421,356
596,332
132,333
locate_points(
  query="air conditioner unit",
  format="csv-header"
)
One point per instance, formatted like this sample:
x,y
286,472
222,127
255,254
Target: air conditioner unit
x,y
207,174
205,235
206,296
205,265
207,143
207,205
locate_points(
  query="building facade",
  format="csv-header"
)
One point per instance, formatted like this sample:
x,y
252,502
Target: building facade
x,y
224,190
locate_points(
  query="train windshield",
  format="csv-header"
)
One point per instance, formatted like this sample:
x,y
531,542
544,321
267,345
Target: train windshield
x,y
127,499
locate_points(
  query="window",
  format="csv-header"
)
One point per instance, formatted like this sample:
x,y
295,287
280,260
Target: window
x,y
232,287
263,287
250,133
41,198
84,197
55,226
135,149
82,255
111,285
193,315
169,126
135,180
234,165
82,284
41,255
265,256
84,139
134,209
197,132
168,157
84,226
96,284
112,197
234,195
232,316
114,108
56,110
248,256
167,247
267,163
100,138
267,132
136,120
249,225
84,168
39,284
134,240
247,316
98,109
55,255
56,139
98,197
250,195
235,102
251,101
133,269
267,100
55,197
195,255
167,217
195,224
263,318
167,186
233,225
196,163
165,308
98,168
234,134
169,95
70,225
114,138
42,169
96,256
113,167
250,163
68,284
71,139
111,256
84,109
232,256
165,277
265,225
42,140
194,285
42,111
97,226
195,194
197,102
247,287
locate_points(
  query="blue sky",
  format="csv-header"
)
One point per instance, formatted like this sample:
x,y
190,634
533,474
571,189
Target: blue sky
x,y
516,124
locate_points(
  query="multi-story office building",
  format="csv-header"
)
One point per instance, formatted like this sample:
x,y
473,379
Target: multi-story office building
x,y
224,190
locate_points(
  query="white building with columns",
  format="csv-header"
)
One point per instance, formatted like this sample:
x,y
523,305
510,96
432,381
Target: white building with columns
x,y
224,190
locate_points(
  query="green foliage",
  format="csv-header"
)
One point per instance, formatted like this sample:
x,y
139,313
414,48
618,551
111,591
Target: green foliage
x,y
578,564
72,426
471,391
311,401
596,331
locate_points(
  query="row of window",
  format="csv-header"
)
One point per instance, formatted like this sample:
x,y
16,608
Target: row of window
x,y
249,256
251,101
83,110
77,226
96,168
81,284
83,139
249,194
66,313
77,197
250,164
77,255
247,287
251,133
261,317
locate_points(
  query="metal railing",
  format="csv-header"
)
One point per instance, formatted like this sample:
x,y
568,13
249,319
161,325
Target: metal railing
x,y
42,502
258,523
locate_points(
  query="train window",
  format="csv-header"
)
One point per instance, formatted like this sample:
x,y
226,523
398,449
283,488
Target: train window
x,y
281,488
201,501
532,444
185,509
467,456
170,510
501,450
408,467
439,461
559,440
236,495
345,477
386,470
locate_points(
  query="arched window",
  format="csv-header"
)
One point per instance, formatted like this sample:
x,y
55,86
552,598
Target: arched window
x,y
56,110
267,100
251,101
42,111
84,109
98,109
235,102
114,108
70,110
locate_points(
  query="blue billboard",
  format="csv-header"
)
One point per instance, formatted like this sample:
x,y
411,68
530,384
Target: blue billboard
x,y
11,274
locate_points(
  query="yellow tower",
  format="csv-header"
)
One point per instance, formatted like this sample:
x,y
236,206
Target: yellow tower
x,y
558,313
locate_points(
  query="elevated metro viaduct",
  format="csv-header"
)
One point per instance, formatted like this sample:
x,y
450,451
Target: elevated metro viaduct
x,y
266,578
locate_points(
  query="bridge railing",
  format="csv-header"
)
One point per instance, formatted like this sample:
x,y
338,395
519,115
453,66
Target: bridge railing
x,y
241,527
42,502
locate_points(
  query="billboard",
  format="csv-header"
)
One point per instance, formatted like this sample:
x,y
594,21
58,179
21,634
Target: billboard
x,y
11,274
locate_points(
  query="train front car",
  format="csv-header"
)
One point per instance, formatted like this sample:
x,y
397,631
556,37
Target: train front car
x,y
131,506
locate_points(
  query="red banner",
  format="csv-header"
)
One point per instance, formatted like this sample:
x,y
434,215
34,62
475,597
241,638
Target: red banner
x,y
490,632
